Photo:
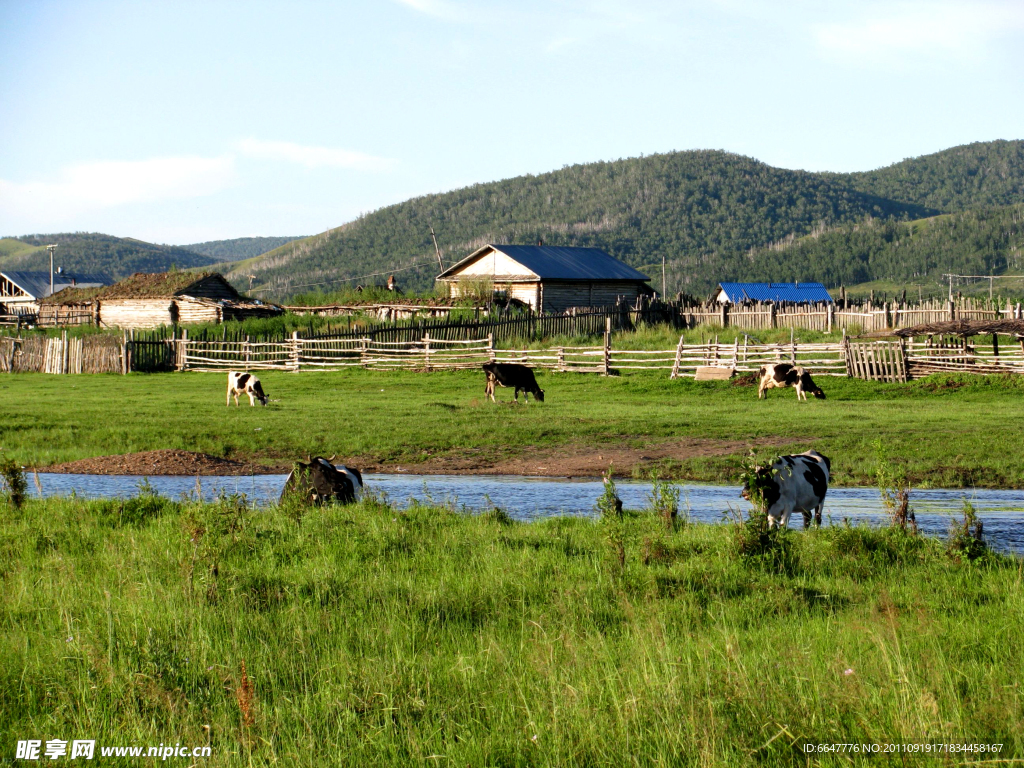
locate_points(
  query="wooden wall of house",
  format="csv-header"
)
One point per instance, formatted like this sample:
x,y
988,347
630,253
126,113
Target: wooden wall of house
x,y
560,296
491,264
135,313
198,312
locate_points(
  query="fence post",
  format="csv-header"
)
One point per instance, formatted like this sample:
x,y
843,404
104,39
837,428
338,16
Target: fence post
x,y
952,310
295,351
831,311
724,312
490,346
607,345
679,355
426,348
362,351
561,359
774,315
247,351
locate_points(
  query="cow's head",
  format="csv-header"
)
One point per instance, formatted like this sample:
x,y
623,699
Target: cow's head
x,y
539,394
807,385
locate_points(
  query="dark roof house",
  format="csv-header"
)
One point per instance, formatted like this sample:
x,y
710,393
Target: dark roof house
x,y
549,278
24,290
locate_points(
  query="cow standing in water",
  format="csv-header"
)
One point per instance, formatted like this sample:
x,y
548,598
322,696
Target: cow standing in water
x,y
791,483
245,384
514,376
786,375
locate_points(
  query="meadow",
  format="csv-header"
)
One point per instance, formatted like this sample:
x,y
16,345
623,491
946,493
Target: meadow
x,y
951,431
370,635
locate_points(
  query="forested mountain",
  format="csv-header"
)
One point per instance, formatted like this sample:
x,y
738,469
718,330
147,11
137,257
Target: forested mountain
x,y
704,211
95,253
239,248
980,241
976,175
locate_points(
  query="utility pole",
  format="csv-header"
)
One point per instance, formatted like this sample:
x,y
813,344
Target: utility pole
x,y
664,293
436,249
51,248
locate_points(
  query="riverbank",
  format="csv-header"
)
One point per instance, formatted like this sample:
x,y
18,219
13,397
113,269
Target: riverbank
x,y
949,430
379,635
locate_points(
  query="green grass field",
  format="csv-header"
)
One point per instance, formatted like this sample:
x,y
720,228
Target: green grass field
x,y
367,635
951,431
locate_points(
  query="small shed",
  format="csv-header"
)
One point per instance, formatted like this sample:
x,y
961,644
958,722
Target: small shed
x,y
778,293
549,278
167,298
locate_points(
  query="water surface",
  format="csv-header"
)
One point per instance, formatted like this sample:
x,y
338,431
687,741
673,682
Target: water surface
x,y
532,498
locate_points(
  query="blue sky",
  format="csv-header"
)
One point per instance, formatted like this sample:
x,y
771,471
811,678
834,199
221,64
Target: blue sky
x,y
178,122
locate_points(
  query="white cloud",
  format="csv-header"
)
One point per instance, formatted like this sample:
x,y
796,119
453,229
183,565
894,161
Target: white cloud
x,y
99,185
314,157
934,28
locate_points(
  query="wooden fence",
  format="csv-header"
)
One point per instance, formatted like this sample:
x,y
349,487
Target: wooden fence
x,y
38,354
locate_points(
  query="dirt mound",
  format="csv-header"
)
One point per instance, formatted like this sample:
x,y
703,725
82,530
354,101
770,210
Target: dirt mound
x,y
167,462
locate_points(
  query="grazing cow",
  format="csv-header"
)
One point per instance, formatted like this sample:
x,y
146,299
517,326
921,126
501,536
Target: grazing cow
x,y
786,375
245,384
512,375
318,481
790,483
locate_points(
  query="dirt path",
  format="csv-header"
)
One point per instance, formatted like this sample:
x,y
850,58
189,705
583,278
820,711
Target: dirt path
x,y
560,461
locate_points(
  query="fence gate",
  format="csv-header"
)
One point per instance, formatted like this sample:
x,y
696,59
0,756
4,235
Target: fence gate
x,y
876,360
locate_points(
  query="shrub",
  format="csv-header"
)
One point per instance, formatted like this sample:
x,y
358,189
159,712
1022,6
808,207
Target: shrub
x,y
664,500
965,537
14,479
891,477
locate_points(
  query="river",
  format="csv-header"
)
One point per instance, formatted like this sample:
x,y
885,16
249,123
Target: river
x,y
533,498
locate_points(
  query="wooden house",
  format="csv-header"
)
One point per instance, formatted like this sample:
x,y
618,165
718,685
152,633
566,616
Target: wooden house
x,y
167,298
548,278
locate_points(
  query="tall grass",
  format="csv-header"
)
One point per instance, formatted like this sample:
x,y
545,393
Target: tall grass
x,y
368,635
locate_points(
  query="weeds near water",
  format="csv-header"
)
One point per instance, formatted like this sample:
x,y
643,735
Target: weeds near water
x,y
769,547
14,479
894,486
966,539
609,505
664,500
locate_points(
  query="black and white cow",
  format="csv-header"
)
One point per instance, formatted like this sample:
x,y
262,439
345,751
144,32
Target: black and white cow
x,y
512,375
245,384
786,375
794,482
318,480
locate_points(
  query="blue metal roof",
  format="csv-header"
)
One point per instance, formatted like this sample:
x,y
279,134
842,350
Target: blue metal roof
x,y
795,292
553,262
37,284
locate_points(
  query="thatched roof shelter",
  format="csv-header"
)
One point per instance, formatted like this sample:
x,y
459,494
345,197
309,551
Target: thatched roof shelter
x,y
165,298
962,328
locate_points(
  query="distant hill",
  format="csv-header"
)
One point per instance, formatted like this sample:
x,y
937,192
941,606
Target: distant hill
x,y
979,241
707,212
238,248
92,252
